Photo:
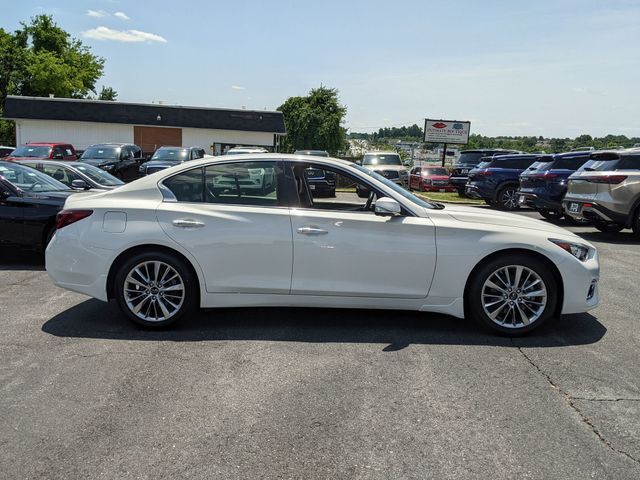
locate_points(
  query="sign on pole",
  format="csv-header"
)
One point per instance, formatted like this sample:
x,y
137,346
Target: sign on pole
x,y
446,131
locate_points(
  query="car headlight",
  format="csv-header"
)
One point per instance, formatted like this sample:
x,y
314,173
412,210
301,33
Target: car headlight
x,y
426,181
578,250
108,168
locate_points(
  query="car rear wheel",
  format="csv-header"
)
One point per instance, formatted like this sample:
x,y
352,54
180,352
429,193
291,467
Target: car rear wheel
x,y
550,214
155,289
507,198
607,227
513,295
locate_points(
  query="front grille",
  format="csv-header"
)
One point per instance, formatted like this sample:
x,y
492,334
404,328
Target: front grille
x,y
389,173
440,182
314,173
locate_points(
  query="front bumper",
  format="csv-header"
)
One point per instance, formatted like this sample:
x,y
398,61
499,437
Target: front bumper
x,y
458,182
580,279
473,191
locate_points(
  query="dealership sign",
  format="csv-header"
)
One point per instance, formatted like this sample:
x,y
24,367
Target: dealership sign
x,y
446,131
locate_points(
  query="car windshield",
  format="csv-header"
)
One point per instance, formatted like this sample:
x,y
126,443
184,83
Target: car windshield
x,y
398,189
599,165
171,154
435,171
470,158
101,152
98,175
29,179
381,159
539,166
31,151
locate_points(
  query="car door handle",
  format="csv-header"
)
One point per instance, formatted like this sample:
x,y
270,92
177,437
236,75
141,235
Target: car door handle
x,y
311,231
187,223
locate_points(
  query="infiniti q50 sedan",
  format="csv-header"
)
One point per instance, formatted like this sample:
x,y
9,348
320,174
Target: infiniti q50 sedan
x,y
201,234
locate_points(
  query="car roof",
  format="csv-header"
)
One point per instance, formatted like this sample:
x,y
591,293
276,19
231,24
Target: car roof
x,y
111,145
380,152
510,156
44,144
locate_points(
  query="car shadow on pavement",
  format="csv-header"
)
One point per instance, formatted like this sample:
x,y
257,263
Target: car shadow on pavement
x,y
393,329
622,238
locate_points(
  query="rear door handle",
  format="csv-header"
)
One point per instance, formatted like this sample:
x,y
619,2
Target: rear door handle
x,y
187,223
311,231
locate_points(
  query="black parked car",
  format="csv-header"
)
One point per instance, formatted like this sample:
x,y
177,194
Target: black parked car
x,y
468,160
6,151
544,184
166,157
321,183
29,203
121,160
76,175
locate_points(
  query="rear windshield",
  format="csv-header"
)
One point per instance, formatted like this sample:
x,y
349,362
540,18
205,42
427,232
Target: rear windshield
x,y
470,158
568,163
173,154
29,151
101,152
599,165
381,159
97,174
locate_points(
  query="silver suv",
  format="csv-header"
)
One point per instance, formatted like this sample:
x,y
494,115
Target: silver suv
x,y
606,191
387,164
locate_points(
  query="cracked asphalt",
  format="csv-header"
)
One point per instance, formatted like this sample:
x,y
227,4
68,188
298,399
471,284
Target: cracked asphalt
x,y
297,393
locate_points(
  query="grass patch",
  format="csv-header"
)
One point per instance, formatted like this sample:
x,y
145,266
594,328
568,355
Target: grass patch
x,y
451,197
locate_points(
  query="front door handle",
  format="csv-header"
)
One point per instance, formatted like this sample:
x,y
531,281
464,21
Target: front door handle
x,y
311,231
187,223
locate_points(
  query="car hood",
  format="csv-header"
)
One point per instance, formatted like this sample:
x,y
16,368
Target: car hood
x,y
19,159
494,217
397,168
98,161
436,177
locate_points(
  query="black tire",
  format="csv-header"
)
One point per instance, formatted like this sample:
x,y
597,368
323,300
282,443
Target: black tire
x,y
607,227
476,310
550,214
461,192
189,281
507,198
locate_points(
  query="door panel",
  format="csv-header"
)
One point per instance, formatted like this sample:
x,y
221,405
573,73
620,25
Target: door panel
x,y
361,254
11,220
241,249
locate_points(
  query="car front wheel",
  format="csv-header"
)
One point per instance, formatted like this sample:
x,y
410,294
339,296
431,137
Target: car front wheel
x,y
155,289
513,294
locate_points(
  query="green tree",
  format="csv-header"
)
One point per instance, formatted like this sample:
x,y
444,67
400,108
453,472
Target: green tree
x,y
39,59
314,122
108,93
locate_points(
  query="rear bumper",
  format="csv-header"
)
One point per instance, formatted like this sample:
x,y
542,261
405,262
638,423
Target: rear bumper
x,y
473,191
458,182
588,210
533,200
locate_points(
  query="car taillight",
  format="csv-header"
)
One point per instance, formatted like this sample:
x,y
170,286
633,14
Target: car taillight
x,y
67,217
484,173
609,179
549,176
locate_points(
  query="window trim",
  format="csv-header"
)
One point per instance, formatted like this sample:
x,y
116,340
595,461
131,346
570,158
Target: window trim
x,y
169,197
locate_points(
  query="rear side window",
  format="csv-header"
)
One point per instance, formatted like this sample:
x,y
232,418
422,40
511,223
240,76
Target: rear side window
x,y
599,165
187,186
244,183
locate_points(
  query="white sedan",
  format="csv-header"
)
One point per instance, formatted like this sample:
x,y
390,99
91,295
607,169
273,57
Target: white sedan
x,y
198,235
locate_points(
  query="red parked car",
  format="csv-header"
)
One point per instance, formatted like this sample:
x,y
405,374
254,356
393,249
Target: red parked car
x,y
430,179
43,151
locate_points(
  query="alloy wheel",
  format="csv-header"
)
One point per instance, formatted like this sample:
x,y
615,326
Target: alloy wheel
x,y
514,296
154,291
509,199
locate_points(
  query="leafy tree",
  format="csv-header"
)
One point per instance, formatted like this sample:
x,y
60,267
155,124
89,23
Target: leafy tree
x,y
108,93
39,59
314,122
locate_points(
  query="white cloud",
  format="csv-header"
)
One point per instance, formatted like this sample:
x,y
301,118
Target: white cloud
x,y
589,91
128,36
122,15
237,87
97,13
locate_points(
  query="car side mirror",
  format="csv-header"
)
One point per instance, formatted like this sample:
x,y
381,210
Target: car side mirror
x,y
387,207
79,184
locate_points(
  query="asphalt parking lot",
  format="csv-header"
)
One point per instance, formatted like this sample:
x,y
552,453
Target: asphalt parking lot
x,y
297,393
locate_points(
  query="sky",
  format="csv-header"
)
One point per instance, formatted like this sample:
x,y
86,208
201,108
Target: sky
x,y
556,68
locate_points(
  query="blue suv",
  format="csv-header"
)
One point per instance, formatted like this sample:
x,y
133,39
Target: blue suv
x,y
543,187
498,182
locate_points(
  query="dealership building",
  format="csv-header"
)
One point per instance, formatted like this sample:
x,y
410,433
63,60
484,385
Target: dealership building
x,y
86,122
